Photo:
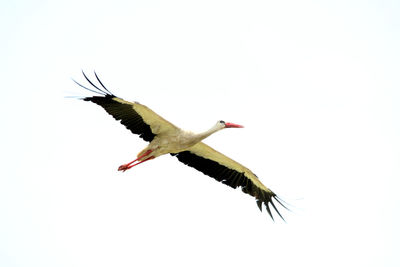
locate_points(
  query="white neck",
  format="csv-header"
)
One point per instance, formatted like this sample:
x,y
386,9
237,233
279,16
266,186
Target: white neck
x,y
205,134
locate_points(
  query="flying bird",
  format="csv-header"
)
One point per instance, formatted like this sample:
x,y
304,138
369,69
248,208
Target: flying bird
x,y
186,146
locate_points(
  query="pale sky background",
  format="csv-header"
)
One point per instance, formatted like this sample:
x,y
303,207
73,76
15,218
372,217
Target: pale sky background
x,y
316,84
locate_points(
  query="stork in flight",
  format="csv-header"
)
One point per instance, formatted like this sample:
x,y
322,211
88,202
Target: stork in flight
x,y
166,138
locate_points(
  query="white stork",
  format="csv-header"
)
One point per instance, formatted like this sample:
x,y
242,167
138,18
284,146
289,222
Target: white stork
x,y
166,138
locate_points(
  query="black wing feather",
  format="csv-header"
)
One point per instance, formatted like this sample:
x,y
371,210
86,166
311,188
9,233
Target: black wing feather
x,y
231,178
122,112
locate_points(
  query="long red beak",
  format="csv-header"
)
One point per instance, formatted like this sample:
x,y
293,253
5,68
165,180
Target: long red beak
x,y
232,125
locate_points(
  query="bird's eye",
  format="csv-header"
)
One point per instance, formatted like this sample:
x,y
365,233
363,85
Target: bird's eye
x,y
222,122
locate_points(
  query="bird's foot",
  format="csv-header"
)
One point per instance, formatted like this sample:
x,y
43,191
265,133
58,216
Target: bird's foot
x,y
124,167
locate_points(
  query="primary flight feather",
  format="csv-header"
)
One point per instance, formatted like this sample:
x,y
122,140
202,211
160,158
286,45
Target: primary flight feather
x,y
166,138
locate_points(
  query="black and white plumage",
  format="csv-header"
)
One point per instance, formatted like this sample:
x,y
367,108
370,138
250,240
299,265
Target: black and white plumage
x,y
166,138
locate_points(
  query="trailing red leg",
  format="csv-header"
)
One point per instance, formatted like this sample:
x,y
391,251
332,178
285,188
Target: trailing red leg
x,y
127,166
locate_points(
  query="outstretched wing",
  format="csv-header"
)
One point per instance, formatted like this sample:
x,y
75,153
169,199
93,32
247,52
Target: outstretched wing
x,y
136,117
223,169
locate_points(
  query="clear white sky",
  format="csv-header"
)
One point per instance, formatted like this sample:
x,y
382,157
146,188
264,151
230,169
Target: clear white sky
x,y
316,83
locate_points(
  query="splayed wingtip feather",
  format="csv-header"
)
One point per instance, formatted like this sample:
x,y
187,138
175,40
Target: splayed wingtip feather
x,y
98,79
93,83
91,90
273,205
259,204
269,211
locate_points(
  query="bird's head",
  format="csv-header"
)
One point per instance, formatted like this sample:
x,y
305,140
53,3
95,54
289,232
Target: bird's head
x,y
228,125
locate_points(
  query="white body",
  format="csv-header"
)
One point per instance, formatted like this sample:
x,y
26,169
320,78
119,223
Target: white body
x,y
176,141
